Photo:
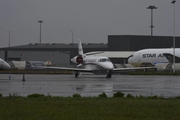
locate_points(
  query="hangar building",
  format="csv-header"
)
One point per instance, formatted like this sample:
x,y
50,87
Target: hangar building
x,y
138,42
118,48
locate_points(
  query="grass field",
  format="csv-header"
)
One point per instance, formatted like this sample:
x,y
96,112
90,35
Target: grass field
x,y
97,108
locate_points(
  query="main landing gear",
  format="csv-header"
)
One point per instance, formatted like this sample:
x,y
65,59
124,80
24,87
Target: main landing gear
x,y
109,74
76,74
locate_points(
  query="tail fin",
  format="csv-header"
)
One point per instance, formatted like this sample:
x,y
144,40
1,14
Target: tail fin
x,y
80,49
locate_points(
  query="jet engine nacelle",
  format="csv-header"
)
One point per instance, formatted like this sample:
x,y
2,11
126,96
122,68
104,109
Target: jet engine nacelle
x,y
77,59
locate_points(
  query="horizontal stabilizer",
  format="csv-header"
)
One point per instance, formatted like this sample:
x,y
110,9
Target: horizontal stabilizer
x,y
93,53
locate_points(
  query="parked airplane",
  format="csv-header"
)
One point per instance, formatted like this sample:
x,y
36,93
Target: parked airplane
x,y
90,63
4,65
154,56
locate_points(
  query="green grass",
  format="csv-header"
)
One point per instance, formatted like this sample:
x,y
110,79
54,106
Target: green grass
x,y
80,108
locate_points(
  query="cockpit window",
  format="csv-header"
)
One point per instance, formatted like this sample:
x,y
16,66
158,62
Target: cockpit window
x,y
108,60
130,56
104,60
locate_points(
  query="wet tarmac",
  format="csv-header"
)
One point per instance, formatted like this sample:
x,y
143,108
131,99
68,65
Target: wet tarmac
x,y
89,85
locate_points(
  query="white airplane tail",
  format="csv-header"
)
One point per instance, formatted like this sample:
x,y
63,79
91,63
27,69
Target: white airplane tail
x,y
80,49
81,56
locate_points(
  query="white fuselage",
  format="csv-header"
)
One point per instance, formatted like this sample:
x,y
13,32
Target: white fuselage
x,y
4,65
97,63
153,56
91,63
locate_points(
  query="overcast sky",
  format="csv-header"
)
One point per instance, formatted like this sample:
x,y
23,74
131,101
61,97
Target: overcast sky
x,y
90,20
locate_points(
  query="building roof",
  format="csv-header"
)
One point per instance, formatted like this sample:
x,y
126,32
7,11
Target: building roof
x,y
48,46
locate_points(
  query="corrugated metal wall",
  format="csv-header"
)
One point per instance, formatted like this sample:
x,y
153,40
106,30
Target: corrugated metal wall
x,y
135,42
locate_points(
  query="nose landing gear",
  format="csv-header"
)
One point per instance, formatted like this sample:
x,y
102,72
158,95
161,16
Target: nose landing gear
x,y
109,74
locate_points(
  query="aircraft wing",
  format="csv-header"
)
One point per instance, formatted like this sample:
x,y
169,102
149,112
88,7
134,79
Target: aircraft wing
x,y
69,69
89,70
135,68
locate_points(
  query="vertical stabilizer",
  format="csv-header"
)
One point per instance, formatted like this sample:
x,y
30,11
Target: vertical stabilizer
x,y
80,49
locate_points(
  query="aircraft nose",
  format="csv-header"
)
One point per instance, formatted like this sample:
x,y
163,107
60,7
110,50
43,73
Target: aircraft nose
x,y
130,60
109,66
7,66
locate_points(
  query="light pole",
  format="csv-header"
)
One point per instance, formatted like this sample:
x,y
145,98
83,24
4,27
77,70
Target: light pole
x,y
40,21
10,38
72,40
173,66
152,7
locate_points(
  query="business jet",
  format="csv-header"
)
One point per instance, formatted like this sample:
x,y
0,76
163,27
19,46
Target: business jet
x,y
4,65
154,56
91,63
